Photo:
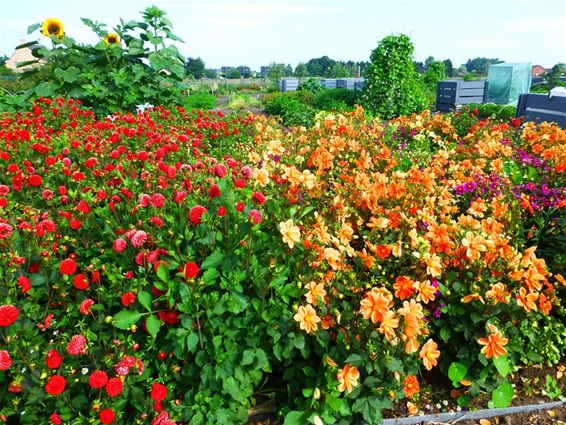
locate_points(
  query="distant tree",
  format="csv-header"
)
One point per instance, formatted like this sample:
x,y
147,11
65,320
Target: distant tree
x,y
419,67
301,70
553,75
288,71
480,65
244,71
362,66
211,73
320,67
428,61
435,72
393,86
3,60
195,68
276,71
338,70
233,74
449,68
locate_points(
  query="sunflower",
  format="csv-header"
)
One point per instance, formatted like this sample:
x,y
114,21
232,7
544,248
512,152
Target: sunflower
x,y
52,26
112,38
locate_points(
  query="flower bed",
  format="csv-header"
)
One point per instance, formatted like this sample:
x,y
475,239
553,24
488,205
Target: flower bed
x,y
180,266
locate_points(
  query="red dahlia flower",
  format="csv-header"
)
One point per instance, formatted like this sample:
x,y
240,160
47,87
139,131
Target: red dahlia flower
x,y
24,284
139,238
127,299
5,230
55,419
55,385
189,270
81,282
255,217
258,198
106,416
120,245
195,214
5,360
76,345
53,359
68,266
8,314
85,306
158,392
98,379
35,180
114,387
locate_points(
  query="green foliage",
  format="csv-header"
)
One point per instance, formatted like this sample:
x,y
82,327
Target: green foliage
x,y
301,70
435,72
141,68
338,70
233,74
552,388
243,101
336,99
491,110
276,72
195,68
553,75
450,71
292,111
312,85
201,100
392,84
480,65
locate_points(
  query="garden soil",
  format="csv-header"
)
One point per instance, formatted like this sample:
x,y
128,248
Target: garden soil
x,y
529,383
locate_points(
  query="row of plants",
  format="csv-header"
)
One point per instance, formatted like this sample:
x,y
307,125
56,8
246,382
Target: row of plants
x,y
174,266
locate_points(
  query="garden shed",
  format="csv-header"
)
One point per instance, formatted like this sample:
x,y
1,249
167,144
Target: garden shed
x,y
507,81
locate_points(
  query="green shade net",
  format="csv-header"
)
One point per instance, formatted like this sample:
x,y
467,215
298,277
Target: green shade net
x,y
507,81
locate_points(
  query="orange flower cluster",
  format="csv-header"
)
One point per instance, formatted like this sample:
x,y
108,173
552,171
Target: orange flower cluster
x,y
399,240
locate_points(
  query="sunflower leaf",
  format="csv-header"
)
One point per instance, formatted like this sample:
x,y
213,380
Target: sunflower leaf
x,y
32,28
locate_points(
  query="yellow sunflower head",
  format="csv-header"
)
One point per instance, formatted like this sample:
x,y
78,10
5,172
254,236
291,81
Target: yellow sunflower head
x,y
52,26
112,38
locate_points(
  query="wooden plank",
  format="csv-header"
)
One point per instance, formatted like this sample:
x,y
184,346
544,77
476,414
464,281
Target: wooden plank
x,y
539,117
480,84
468,100
541,101
471,92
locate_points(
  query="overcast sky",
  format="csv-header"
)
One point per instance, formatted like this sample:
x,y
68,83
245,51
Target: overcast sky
x,y
255,33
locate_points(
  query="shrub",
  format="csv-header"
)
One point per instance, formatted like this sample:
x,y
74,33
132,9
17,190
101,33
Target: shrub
x,y
243,101
337,99
292,111
392,85
435,72
201,100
